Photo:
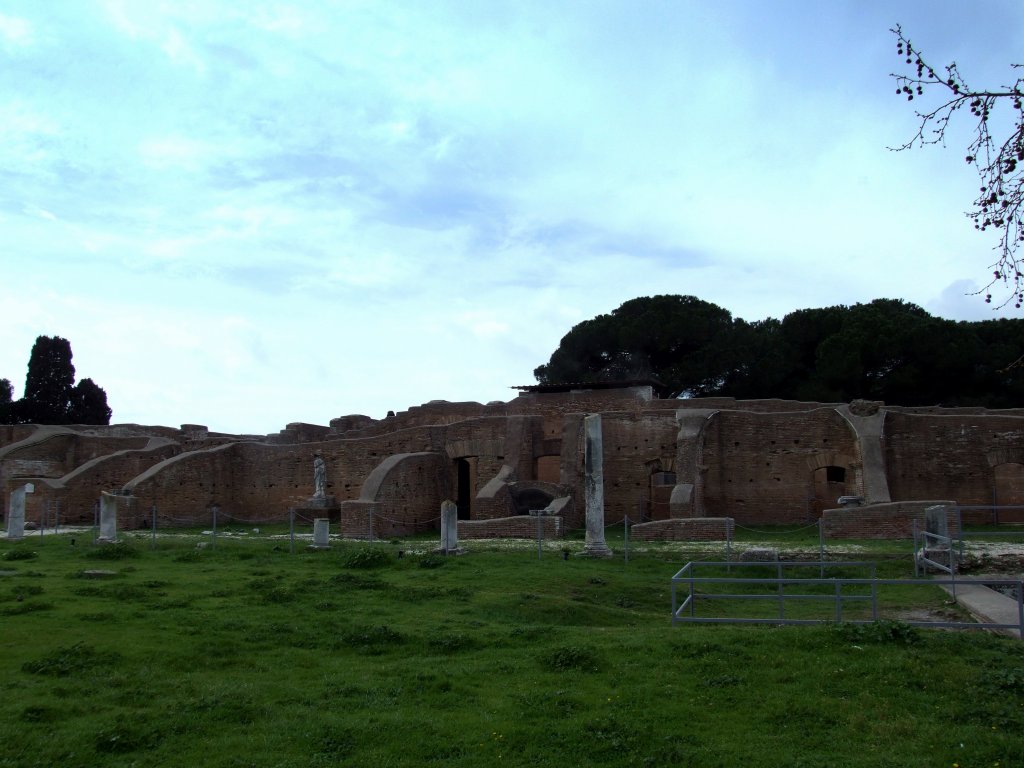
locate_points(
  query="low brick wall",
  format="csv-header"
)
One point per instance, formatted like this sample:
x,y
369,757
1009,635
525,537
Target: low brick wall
x,y
684,529
519,527
880,521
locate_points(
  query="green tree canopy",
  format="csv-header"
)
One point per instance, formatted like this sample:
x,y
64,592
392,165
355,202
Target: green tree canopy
x,y
678,340
51,396
886,349
50,379
88,404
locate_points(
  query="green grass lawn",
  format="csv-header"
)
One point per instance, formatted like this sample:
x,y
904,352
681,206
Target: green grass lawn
x,y
247,655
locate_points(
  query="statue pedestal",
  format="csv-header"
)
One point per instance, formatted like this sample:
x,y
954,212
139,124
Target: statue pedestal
x,y
325,506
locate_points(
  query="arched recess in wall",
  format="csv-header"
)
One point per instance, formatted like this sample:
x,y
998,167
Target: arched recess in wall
x,y
661,479
465,468
831,477
548,469
1008,482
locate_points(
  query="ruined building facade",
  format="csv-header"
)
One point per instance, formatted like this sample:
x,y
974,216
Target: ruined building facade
x,y
668,464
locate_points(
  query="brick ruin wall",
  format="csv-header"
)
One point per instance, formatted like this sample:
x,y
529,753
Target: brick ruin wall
x,y
756,465
635,446
951,456
519,527
685,529
881,521
760,465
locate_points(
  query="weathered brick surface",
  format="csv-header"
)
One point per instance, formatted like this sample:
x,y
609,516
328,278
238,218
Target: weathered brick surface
x,y
685,529
950,456
518,527
880,521
636,445
760,466
758,462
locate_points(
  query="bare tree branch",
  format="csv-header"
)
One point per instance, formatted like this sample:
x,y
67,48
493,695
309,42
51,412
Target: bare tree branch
x,y
999,161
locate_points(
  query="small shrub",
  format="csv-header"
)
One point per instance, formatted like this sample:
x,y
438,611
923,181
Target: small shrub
x,y
123,738
373,640
120,550
277,595
39,714
451,642
721,681
571,657
432,561
356,581
21,608
191,556
71,660
366,557
26,590
896,632
531,633
997,682
98,616
21,554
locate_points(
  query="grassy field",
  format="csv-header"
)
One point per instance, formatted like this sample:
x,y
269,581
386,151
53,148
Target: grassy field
x,y
247,655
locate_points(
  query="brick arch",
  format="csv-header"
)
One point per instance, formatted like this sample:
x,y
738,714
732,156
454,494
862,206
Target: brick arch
x,y
831,459
1000,456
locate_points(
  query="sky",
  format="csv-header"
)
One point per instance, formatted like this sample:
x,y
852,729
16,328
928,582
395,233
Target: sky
x,y
250,214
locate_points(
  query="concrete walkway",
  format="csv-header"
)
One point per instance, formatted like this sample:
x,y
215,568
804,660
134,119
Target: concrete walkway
x,y
986,605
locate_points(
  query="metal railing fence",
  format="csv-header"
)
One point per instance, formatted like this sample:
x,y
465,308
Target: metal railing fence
x,y
839,591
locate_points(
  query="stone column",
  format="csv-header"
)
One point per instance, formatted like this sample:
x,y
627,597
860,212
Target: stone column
x,y
449,527
108,517
16,515
321,533
593,487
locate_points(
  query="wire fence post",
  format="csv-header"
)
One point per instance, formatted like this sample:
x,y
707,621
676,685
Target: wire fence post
x,y
43,517
152,511
213,534
782,599
728,546
95,518
625,539
913,529
821,545
291,530
960,530
537,514
56,517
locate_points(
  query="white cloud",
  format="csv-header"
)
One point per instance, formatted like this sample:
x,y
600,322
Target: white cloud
x,y
15,32
225,194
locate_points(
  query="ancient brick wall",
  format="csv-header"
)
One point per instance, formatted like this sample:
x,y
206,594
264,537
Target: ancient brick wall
x,y
59,454
949,456
880,521
81,489
519,527
685,529
15,433
636,445
760,465
770,405
554,407
409,501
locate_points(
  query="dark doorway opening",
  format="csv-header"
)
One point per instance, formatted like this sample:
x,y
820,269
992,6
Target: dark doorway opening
x,y
462,498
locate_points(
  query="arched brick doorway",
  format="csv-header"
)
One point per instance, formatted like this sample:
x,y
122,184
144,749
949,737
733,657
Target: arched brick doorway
x,y
828,483
1009,491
